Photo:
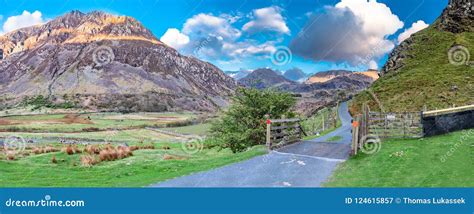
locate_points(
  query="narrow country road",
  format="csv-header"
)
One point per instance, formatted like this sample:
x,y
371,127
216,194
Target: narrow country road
x,y
303,164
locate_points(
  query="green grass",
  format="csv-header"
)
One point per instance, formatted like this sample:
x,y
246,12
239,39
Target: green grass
x,y
199,129
427,79
133,135
145,167
334,139
101,121
442,161
314,124
327,131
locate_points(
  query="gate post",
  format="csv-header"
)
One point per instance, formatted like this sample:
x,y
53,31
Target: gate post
x,y
269,132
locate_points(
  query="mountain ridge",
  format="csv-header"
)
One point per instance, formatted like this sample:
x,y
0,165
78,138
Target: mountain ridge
x,y
102,61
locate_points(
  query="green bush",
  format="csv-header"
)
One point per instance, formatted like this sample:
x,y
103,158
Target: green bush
x,y
40,101
243,124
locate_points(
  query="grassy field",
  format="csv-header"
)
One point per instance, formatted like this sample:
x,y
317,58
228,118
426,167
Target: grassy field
x,y
442,161
199,129
61,123
132,135
169,158
145,167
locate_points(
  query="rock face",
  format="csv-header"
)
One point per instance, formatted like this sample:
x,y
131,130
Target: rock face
x,y
101,61
458,17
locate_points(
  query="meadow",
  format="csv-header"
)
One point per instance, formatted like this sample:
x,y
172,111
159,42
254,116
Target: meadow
x,y
106,149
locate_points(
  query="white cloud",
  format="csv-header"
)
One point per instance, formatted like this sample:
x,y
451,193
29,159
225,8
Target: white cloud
x,y
267,19
208,25
373,65
26,19
215,38
175,39
353,31
415,27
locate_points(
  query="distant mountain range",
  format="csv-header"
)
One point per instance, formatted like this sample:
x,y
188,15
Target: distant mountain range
x,y
325,76
101,61
266,78
328,87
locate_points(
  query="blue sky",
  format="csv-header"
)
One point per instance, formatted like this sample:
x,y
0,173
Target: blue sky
x,y
248,34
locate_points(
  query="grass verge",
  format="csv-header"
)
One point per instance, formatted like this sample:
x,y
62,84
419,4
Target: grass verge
x,y
442,161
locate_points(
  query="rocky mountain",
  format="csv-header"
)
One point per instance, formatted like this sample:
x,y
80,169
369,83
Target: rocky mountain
x,y
295,74
266,78
237,75
325,76
101,61
432,69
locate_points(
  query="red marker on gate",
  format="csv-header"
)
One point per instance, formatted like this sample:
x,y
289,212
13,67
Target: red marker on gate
x,y
355,124
269,122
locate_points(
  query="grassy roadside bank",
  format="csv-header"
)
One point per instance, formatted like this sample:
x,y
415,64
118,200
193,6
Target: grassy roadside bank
x,y
442,161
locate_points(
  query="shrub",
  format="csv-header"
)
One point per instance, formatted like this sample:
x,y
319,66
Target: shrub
x,y
243,124
53,159
11,155
69,150
88,160
92,149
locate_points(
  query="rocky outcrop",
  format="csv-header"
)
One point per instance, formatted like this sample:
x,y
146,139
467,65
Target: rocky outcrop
x,y
458,17
101,61
397,56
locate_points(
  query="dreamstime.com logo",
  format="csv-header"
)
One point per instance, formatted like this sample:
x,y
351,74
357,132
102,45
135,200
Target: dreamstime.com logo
x,y
371,144
14,144
281,56
103,55
193,146
459,55
46,202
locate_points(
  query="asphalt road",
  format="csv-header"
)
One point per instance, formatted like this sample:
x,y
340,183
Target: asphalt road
x,y
304,164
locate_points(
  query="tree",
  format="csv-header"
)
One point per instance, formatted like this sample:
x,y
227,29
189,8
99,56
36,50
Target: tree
x,y
243,124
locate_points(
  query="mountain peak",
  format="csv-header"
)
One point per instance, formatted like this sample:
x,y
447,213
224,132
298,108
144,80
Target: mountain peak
x,y
77,27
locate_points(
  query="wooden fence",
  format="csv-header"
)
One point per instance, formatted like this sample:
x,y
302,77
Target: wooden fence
x,y
281,132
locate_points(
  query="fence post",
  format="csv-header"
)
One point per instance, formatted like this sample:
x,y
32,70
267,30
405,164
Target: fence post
x,y
357,135
336,115
269,132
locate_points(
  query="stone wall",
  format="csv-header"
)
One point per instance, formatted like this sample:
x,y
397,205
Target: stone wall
x,y
442,124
